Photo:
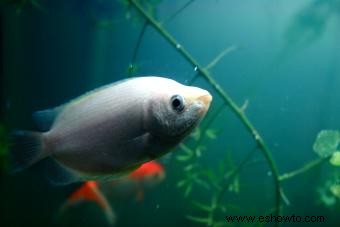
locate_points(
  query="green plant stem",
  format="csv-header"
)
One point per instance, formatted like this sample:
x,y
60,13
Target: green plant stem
x,y
303,169
228,101
178,11
220,56
238,168
226,182
139,40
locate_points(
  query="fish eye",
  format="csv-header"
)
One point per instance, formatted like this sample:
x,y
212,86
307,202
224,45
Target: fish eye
x,y
177,103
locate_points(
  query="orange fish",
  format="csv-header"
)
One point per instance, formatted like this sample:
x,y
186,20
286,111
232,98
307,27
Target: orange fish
x,y
148,171
148,174
89,191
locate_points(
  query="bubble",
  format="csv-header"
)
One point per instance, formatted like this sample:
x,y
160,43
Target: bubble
x,y
269,173
196,68
178,46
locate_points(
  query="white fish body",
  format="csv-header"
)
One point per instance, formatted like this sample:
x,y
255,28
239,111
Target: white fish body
x,y
114,129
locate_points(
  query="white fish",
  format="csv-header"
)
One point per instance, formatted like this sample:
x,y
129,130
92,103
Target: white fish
x,y
111,130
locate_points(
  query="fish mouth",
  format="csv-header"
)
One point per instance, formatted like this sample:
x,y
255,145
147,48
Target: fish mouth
x,y
205,101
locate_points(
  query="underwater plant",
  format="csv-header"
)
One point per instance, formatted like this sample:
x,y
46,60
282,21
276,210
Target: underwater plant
x,y
227,100
224,178
217,182
327,146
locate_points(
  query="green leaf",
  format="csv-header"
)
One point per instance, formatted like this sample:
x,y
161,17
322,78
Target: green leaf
x,y
202,206
182,183
196,134
328,200
335,159
132,69
189,167
211,133
335,189
235,185
214,201
226,163
199,219
188,190
183,158
186,149
326,142
199,150
201,183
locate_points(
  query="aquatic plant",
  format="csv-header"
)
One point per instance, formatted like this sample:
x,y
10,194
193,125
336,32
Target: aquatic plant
x,y
195,175
228,101
226,177
215,182
327,146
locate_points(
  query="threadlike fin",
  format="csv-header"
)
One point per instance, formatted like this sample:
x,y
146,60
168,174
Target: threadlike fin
x,y
26,149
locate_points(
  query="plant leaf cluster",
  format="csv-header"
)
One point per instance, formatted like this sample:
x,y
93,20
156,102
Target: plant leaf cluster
x,y
326,145
205,178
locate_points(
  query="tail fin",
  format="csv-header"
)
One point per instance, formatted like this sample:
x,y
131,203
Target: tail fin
x,y
26,149
90,191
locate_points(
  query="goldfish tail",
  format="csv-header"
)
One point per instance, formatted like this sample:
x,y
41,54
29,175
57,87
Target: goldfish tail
x,y
90,191
27,149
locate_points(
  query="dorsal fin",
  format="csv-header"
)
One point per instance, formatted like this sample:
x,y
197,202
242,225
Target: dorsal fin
x,y
45,118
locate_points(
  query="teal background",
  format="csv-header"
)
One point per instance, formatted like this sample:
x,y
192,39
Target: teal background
x,y
286,65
